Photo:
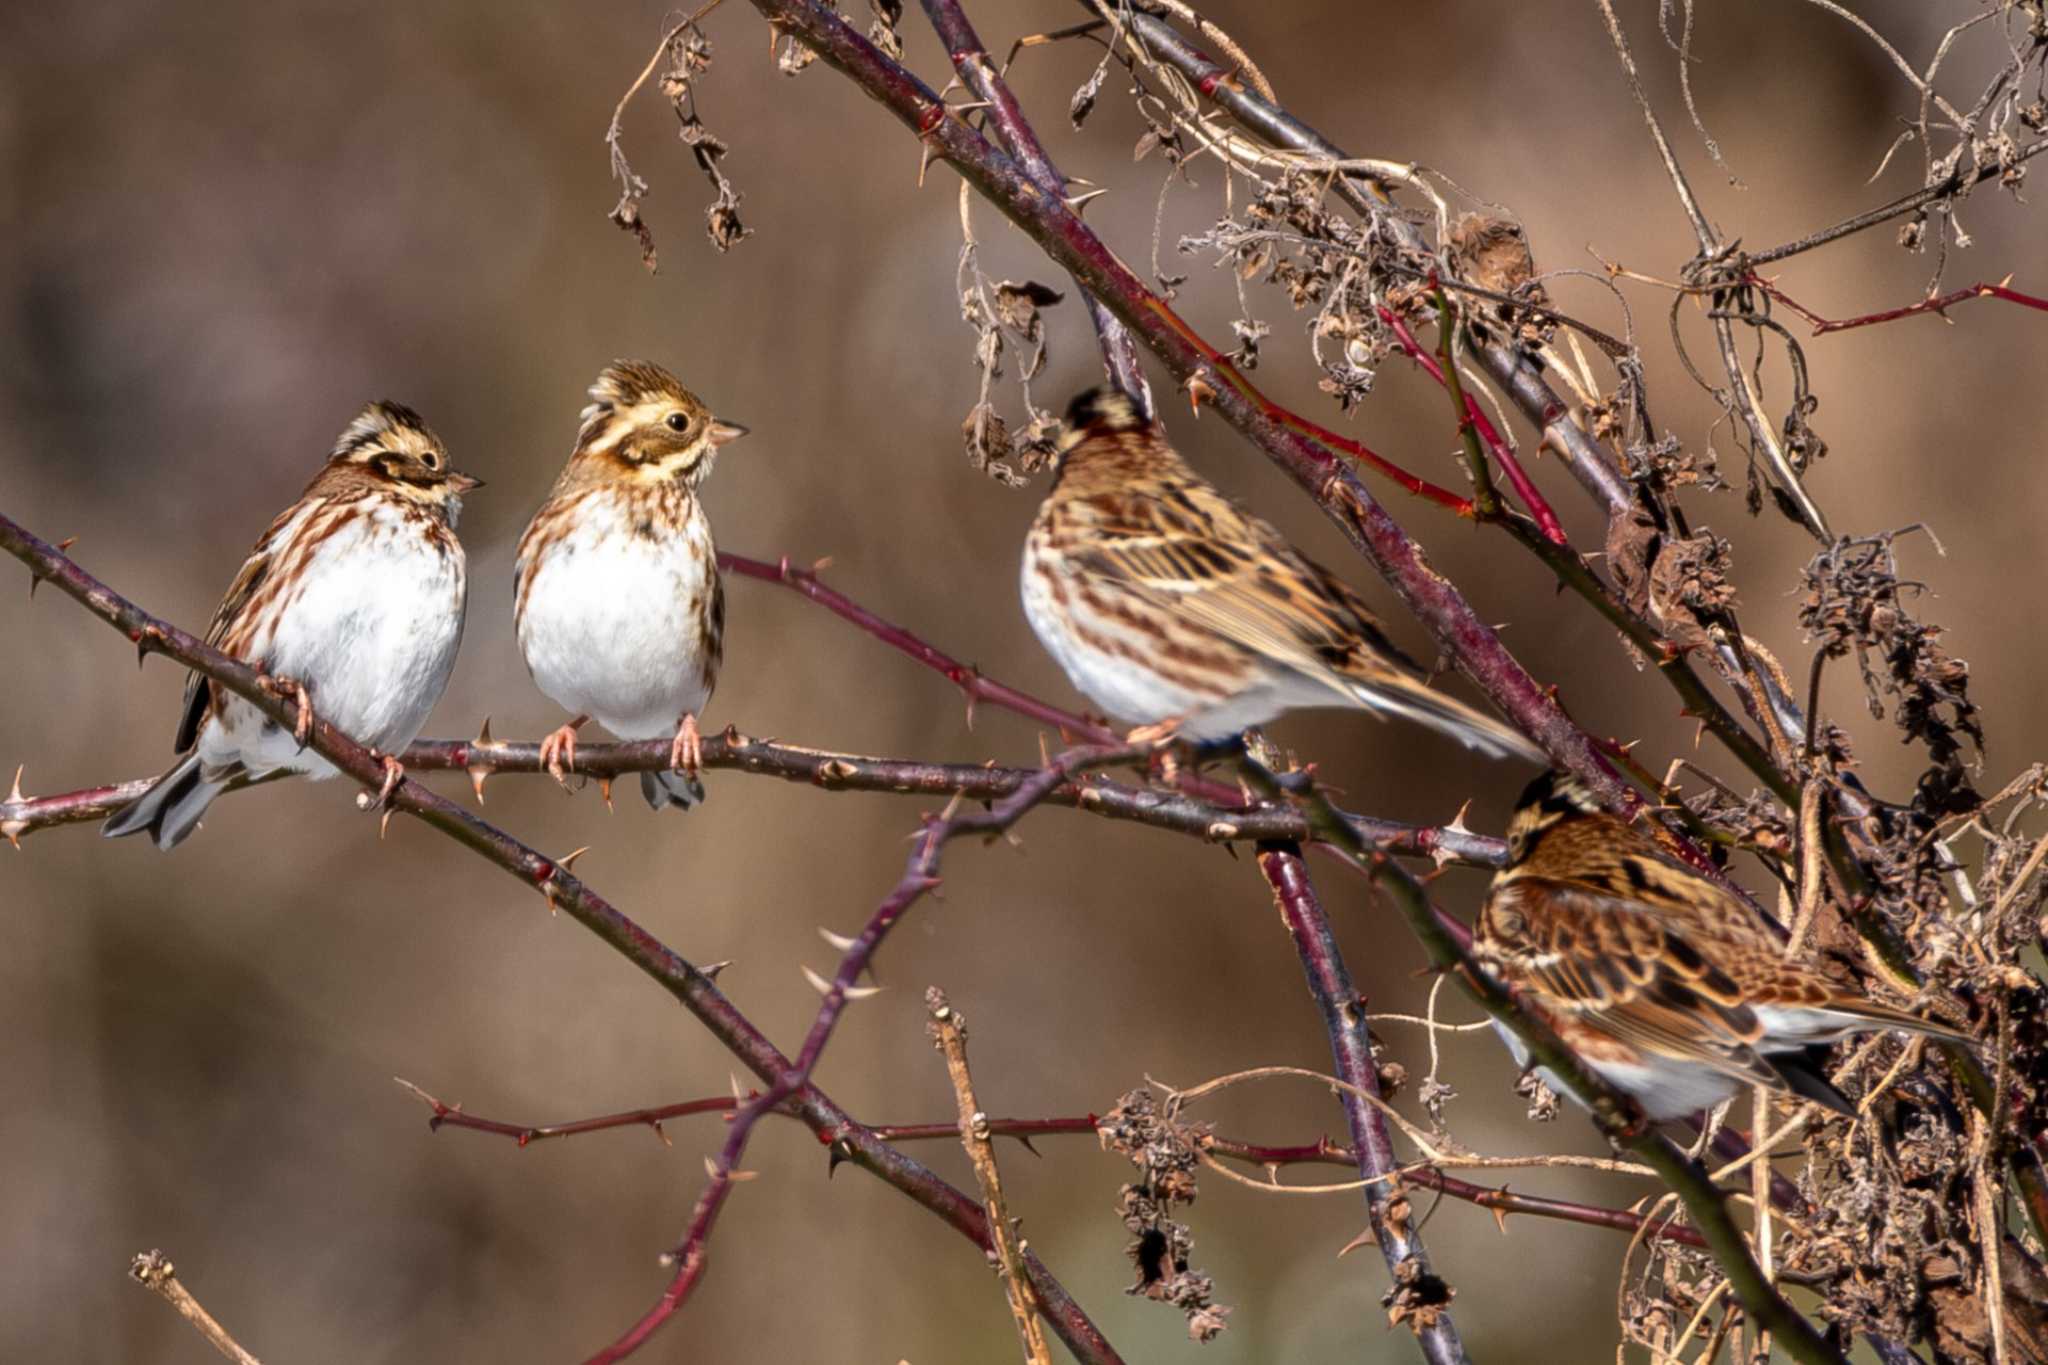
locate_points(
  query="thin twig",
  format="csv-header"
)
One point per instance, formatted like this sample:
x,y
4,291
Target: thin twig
x,y
1741,397
949,1034
1935,304
920,878
1964,178
153,1271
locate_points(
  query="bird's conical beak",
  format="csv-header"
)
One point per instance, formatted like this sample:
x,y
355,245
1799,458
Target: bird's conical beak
x,y
721,432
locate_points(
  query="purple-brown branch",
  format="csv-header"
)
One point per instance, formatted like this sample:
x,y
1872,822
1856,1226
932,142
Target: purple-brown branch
x,y
1519,374
1501,1202
966,677
1938,304
1515,369
690,987
1283,437
1176,812
920,877
978,72
1419,1296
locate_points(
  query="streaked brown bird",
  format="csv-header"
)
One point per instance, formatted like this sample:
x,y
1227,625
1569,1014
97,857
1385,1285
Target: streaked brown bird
x,y
353,600
619,606
1177,611
1666,984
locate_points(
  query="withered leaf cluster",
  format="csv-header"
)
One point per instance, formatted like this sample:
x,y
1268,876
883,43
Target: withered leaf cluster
x,y
690,57
1003,315
1855,603
1165,1154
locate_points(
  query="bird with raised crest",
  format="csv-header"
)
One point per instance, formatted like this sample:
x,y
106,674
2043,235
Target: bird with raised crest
x,y
351,603
1178,612
620,611
1663,982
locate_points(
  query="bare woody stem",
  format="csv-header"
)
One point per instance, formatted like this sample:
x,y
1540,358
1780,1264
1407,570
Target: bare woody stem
x,y
1175,812
1501,1202
153,1271
689,986
971,60
1048,221
1520,375
1386,1203
920,877
949,1035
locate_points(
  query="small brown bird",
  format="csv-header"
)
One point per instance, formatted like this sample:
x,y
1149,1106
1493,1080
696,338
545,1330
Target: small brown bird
x,y
1667,985
1177,611
353,600
620,611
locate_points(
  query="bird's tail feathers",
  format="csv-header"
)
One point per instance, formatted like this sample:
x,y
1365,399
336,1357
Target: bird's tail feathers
x,y
671,788
1446,714
174,804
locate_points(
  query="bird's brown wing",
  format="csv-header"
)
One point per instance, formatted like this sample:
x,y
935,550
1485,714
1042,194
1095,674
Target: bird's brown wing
x,y
254,572
1189,550
1617,966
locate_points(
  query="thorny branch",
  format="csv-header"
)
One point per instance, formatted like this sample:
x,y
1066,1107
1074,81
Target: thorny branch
x,y
920,878
563,891
1180,813
1855,607
1306,455
1268,1157
1419,1297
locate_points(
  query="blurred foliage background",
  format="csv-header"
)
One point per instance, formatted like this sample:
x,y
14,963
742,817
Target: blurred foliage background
x,y
228,225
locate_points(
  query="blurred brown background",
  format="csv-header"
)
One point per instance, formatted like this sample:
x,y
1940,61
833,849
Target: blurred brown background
x,y
228,225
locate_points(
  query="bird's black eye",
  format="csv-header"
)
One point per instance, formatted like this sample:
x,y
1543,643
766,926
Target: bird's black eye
x,y
431,460
678,422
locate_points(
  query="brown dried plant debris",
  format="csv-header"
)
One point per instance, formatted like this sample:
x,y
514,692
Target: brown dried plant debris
x,y
690,58
1675,1281
1419,1296
1682,583
883,31
1492,251
1882,1195
1006,314
1856,601
1166,1155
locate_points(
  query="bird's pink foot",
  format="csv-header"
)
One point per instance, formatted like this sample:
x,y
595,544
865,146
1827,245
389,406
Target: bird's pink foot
x,y
558,750
687,753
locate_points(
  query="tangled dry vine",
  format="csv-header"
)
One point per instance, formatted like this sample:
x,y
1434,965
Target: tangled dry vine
x,y
1922,1217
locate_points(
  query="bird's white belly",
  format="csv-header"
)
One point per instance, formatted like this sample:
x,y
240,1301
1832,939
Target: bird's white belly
x,y
1665,1089
371,631
1118,687
613,627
